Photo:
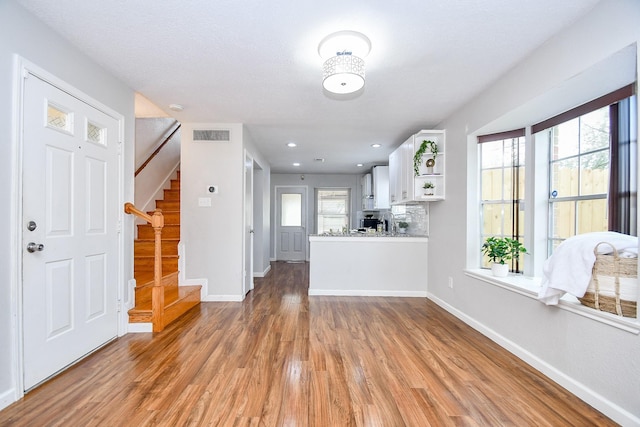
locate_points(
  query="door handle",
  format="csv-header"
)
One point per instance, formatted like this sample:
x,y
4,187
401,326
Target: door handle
x,y
34,247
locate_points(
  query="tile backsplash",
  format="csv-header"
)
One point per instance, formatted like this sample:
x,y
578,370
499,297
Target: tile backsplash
x,y
416,215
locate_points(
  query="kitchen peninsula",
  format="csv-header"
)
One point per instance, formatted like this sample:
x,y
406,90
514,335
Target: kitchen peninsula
x,y
368,265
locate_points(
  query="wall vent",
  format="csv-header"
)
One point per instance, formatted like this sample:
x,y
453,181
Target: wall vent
x,y
210,135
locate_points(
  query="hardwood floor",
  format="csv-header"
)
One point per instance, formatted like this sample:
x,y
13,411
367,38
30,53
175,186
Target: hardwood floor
x,y
281,358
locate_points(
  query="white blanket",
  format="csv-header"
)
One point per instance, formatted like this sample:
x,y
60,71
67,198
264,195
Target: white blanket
x,y
569,268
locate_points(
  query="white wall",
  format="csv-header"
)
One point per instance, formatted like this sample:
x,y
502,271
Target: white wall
x,y
213,236
150,133
596,361
313,181
22,34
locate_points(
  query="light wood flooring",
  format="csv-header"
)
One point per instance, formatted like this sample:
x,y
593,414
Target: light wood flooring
x,y
281,358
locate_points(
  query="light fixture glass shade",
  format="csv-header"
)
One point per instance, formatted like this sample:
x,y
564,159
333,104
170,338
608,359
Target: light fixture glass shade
x,y
350,41
343,74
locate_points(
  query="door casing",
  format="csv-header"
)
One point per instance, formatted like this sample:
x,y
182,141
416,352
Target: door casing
x,y
22,68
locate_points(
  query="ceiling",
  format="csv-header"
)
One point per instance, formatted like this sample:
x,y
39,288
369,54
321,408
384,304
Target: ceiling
x,y
256,62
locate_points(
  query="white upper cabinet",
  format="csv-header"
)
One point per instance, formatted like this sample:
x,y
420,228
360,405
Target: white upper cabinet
x,y
416,174
380,187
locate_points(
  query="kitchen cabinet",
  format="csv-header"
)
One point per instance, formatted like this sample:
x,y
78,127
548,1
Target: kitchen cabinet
x,y
404,185
394,176
380,187
367,192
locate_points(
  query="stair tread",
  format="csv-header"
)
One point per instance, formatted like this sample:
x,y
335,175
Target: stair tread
x,y
144,278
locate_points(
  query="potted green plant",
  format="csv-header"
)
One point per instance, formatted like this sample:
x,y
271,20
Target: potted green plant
x,y
402,226
417,157
429,188
500,250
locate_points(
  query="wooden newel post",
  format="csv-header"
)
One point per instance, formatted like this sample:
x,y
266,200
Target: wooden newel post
x,y
157,295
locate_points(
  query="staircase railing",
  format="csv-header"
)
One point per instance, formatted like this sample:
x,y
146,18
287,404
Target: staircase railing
x,y
157,150
157,294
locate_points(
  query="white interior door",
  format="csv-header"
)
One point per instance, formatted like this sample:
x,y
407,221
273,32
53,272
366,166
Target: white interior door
x,y
291,235
70,236
248,225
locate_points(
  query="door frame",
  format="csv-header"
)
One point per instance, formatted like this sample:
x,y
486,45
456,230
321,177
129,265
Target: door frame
x,y
22,69
247,186
276,217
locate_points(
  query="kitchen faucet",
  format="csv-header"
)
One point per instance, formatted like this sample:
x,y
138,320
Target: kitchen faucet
x,y
393,222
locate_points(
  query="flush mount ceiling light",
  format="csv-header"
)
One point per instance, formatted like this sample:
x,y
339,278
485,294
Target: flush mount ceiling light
x,y
343,68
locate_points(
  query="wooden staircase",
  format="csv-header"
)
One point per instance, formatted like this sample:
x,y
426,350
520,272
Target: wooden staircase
x,y
177,299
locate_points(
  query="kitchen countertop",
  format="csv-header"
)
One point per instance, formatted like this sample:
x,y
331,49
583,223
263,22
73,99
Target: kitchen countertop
x,y
357,237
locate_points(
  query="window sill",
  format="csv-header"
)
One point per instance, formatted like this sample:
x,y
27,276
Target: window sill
x,y
529,287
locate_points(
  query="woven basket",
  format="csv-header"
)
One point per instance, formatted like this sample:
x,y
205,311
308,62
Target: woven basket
x,y
610,277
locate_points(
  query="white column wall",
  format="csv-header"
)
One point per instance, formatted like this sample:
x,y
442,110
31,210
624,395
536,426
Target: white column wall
x,y
212,236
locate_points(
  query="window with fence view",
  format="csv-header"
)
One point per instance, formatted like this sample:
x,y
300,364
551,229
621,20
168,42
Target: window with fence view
x,y
332,205
583,180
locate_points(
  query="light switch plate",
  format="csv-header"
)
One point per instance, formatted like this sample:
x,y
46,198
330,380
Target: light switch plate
x,y
204,202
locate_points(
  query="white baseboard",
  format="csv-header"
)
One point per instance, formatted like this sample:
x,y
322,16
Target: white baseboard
x,y
136,328
592,398
223,298
7,398
366,293
264,273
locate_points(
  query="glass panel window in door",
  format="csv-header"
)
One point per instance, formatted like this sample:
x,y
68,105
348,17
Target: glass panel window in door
x,y
291,210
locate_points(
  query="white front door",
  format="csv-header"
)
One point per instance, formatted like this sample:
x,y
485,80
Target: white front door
x,y
70,235
291,234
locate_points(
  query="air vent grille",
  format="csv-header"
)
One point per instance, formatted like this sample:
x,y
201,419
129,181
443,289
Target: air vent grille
x,y
205,135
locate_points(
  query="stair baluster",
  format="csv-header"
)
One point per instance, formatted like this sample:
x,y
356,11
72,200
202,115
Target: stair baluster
x,y
157,297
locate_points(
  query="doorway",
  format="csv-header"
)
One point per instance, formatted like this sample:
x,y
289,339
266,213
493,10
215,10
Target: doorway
x,y
70,239
247,278
291,219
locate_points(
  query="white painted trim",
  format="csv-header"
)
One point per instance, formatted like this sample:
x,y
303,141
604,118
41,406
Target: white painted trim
x,y
23,67
15,225
247,185
223,298
263,273
592,398
366,293
139,328
7,398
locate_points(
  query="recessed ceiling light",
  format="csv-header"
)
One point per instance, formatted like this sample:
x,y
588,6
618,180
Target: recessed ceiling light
x,y
376,145
296,164
176,107
291,144
359,165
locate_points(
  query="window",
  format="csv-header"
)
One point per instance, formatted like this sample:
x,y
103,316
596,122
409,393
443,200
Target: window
x,y
332,207
291,210
592,167
587,182
502,172
579,171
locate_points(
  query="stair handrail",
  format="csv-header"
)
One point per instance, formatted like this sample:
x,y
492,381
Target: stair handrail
x,y
157,150
157,294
